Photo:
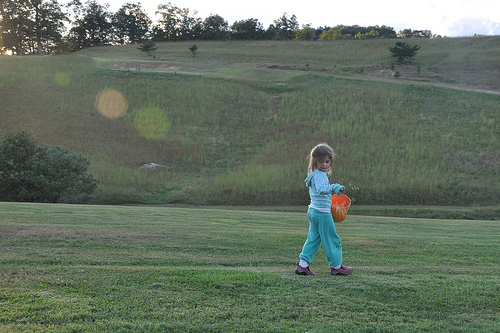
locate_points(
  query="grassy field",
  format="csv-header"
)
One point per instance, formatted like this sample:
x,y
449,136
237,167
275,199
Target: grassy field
x,y
233,125
77,268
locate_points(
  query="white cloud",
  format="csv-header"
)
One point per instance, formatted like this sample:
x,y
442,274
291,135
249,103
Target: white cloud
x,y
469,26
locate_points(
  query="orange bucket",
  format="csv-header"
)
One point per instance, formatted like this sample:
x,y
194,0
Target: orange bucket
x,y
340,206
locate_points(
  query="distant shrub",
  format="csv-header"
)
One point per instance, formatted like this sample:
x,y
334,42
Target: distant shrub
x,y
148,46
403,51
193,49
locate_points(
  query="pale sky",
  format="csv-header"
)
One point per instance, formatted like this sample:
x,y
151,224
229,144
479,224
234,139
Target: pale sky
x,y
443,17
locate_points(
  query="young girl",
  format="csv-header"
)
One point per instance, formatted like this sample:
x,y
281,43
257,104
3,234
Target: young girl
x,y
321,225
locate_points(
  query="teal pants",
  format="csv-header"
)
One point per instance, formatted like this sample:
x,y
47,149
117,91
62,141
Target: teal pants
x,y
322,231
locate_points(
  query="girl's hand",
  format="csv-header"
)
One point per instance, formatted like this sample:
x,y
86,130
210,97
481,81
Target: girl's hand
x,y
339,189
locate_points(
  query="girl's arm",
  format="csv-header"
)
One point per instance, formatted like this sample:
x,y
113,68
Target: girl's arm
x,y
323,186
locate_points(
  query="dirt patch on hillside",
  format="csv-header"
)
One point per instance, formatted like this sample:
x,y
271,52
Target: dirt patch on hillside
x,y
156,67
404,72
433,76
485,82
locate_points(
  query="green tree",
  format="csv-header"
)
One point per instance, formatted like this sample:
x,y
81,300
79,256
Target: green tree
x,y
191,27
175,24
286,27
92,25
247,29
215,28
403,51
405,33
148,46
131,24
369,35
168,28
31,26
48,20
15,153
357,32
306,33
409,33
193,49
331,34
385,31
36,173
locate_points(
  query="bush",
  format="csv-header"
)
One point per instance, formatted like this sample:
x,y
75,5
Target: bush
x,y
403,51
38,174
148,46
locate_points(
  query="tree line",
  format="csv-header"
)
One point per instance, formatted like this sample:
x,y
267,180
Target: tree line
x,y
49,27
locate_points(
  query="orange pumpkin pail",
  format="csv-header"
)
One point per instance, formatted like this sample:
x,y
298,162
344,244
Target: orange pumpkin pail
x,y
340,206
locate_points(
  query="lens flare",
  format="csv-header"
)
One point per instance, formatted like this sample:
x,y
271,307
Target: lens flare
x,y
151,122
111,104
61,79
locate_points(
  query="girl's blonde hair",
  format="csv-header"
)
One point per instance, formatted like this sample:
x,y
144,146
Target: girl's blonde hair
x,y
318,153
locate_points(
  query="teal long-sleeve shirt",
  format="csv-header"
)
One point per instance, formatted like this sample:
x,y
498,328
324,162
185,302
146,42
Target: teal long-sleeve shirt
x,y
320,189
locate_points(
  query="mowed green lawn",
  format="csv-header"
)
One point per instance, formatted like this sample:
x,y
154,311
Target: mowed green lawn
x,y
76,268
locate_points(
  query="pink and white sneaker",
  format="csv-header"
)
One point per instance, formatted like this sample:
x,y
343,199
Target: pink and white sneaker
x,y
343,270
303,270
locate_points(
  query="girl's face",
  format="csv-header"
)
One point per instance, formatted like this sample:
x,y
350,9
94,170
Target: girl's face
x,y
324,163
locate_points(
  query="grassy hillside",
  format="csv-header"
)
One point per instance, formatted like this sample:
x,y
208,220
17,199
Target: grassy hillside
x,y
234,124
